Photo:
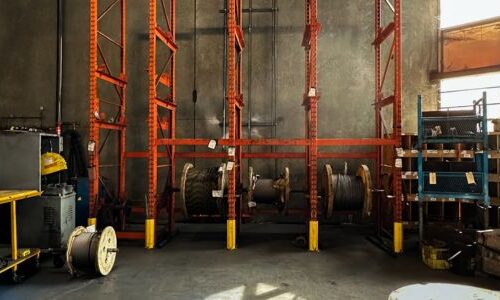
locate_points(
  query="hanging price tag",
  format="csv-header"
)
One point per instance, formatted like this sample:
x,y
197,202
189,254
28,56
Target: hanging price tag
x,y
230,165
398,163
217,194
91,146
231,151
212,144
432,178
470,178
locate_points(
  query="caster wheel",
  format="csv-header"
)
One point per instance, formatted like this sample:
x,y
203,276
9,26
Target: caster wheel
x,y
17,278
58,261
300,242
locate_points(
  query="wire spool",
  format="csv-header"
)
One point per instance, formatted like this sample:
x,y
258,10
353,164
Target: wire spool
x,y
91,252
347,193
202,191
269,191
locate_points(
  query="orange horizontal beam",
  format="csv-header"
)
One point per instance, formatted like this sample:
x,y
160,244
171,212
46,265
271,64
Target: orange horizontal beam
x,y
130,235
165,79
166,39
111,79
269,155
282,142
165,104
386,101
384,34
110,126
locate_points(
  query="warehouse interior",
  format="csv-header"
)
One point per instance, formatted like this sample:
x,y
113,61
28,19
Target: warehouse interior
x,y
250,149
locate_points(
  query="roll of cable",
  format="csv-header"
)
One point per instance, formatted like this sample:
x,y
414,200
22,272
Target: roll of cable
x,y
202,191
91,252
346,192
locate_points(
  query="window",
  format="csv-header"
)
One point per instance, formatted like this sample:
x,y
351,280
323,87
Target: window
x,y
461,91
459,12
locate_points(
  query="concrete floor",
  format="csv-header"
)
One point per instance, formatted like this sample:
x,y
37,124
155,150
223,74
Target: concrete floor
x,y
196,266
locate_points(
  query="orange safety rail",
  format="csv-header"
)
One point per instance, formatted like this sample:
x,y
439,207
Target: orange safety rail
x,y
104,71
162,109
382,36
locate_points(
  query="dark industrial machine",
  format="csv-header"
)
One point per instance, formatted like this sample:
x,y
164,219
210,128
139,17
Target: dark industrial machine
x,y
47,222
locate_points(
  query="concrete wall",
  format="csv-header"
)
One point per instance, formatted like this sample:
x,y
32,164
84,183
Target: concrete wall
x,y
346,68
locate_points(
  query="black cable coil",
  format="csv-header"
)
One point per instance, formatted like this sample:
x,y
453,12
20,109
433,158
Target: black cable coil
x,y
349,193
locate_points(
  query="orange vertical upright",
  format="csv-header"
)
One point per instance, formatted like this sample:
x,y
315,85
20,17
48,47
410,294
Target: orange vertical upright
x,y
100,74
235,106
311,97
394,59
162,107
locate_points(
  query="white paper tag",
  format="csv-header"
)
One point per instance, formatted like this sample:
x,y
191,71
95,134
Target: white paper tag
x,y
414,151
96,115
400,152
467,155
217,194
231,151
446,151
91,146
398,163
230,165
252,204
432,151
312,92
90,228
212,144
221,169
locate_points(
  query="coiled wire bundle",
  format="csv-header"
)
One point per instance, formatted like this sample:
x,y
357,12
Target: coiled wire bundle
x,y
202,191
346,192
91,252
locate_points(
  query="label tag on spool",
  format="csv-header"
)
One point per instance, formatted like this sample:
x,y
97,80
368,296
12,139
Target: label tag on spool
x,y
398,163
230,165
91,228
470,178
91,146
400,152
432,178
212,144
217,193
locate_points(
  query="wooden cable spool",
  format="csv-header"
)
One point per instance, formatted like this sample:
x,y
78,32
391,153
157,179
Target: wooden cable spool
x,y
202,191
91,252
345,192
269,191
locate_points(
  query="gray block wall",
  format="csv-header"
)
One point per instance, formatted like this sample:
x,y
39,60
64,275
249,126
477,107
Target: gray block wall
x,y
346,71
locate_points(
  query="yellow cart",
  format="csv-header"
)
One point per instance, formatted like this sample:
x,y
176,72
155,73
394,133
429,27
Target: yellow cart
x,y
17,256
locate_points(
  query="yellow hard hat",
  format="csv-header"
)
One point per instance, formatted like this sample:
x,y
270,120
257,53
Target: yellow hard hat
x,y
51,162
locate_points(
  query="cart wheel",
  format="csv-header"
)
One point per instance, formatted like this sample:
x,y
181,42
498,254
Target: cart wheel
x,y
58,261
16,278
37,263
